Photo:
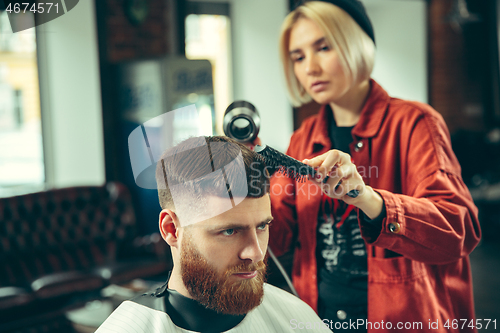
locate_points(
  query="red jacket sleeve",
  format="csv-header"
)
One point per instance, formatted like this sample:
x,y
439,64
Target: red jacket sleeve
x,y
435,221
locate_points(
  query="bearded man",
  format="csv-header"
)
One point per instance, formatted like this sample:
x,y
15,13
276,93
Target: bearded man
x,y
214,194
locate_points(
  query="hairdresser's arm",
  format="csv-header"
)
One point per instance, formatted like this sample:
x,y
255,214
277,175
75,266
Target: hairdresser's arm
x,y
435,220
370,202
437,224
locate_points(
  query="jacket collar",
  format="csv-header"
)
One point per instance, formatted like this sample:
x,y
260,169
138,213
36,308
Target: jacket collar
x,y
373,112
372,115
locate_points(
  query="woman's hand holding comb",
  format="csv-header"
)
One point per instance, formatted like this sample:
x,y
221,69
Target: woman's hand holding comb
x,y
340,179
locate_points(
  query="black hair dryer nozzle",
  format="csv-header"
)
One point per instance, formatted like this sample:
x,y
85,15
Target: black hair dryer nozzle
x,y
241,121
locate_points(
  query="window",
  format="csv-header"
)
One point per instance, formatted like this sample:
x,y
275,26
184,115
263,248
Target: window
x,y
21,151
208,37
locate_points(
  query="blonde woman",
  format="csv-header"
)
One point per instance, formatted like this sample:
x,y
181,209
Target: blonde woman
x,y
395,254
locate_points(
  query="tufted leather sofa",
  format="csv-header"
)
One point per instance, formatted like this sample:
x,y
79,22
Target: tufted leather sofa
x,y
58,244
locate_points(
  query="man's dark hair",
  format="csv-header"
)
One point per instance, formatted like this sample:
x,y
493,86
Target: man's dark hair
x,y
209,166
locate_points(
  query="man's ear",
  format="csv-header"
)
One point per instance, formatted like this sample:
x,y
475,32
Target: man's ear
x,y
169,224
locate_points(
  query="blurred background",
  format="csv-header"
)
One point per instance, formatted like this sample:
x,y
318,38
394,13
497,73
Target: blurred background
x,y
73,89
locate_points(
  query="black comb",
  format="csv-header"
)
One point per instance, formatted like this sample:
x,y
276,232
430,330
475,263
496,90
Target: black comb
x,y
277,161
292,168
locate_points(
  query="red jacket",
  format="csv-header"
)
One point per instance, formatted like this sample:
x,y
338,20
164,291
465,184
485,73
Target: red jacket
x,y
418,265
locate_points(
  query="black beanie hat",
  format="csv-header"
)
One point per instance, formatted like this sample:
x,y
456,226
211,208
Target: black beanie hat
x,y
354,8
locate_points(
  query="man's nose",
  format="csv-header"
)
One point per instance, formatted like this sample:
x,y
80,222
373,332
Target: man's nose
x,y
253,249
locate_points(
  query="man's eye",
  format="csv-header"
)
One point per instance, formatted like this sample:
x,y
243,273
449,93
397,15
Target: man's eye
x,y
263,226
228,232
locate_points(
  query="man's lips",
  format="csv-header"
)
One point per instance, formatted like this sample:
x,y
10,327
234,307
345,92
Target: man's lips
x,y
246,275
319,86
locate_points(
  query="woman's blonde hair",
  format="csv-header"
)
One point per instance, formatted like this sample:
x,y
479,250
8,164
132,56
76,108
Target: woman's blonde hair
x,y
355,49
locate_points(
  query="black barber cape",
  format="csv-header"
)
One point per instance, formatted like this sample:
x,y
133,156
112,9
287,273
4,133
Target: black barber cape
x,y
165,310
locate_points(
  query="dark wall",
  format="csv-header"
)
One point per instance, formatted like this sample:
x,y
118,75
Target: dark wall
x,y
131,30
461,65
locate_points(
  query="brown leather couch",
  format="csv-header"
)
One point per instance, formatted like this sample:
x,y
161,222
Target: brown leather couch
x,y
62,245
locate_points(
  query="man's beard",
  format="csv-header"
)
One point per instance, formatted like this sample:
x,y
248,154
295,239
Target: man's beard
x,y
217,292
